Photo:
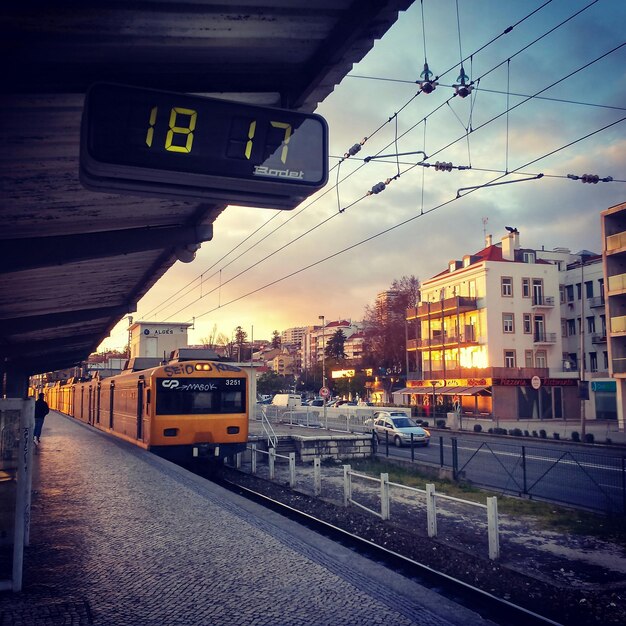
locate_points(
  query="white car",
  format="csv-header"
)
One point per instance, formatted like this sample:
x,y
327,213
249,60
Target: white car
x,y
399,428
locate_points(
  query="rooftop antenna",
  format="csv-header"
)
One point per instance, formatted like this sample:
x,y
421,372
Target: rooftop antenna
x,y
485,220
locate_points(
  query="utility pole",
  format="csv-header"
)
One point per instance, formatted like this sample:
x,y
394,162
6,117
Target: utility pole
x,y
321,317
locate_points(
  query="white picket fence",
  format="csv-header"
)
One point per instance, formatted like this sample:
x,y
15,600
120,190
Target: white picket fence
x,y
431,496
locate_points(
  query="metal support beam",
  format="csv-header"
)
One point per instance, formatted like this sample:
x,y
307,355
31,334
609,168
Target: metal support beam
x,y
34,252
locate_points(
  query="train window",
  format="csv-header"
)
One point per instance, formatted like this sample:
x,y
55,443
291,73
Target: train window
x,y
195,396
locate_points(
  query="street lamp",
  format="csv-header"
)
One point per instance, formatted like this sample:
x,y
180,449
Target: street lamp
x,y
321,317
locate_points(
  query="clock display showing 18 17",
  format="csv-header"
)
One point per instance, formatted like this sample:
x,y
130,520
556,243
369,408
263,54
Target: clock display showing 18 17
x,y
162,143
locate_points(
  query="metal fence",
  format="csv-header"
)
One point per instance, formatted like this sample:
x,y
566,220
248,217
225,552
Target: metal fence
x,y
578,478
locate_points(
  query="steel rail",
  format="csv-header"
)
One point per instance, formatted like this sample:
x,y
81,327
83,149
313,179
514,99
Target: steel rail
x,y
489,606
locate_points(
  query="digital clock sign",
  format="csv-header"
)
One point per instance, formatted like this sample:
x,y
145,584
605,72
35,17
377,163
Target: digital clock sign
x,y
157,143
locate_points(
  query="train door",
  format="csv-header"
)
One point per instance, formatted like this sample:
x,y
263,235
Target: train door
x,y
98,386
90,406
111,404
140,387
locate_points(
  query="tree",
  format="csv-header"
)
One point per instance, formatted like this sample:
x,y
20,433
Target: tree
x,y
270,383
385,331
211,340
335,346
240,339
276,341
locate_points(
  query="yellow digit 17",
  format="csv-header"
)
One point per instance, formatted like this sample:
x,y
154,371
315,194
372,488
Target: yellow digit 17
x,y
285,142
174,129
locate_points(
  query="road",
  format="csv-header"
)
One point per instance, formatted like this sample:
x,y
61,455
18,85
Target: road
x,y
586,476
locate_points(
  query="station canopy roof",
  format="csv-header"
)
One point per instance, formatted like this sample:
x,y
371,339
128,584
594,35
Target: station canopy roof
x,y
74,262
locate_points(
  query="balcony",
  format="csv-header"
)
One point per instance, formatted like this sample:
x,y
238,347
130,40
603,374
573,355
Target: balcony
x,y
617,283
544,338
619,365
447,341
615,242
596,302
456,304
598,338
543,302
618,324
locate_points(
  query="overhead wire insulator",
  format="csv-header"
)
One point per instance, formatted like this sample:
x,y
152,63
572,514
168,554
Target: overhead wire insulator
x,y
354,149
590,178
442,166
427,85
377,188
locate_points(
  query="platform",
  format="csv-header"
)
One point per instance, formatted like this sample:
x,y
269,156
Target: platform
x,y
121,537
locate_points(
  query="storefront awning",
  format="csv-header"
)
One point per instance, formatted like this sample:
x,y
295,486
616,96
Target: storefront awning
x,y
469,391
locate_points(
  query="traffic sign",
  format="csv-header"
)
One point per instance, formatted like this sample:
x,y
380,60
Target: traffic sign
x,y
324,392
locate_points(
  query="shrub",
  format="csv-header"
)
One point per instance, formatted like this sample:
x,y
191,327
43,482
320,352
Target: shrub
x,y
516,432
424,424
556,435
543,434
499,431
575,436
609,441
441,423
535,433
526,433
490,431
478,428
589,438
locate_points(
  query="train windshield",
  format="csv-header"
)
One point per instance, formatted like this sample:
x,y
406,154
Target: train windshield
x,y
194,396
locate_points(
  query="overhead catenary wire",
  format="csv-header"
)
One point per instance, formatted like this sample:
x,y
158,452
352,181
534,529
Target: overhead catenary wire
x,y
404,222
363,197
506,31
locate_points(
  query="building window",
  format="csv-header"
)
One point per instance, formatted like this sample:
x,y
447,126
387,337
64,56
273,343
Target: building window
x,y
569,291
591,324
593,361
507,286
509,358
589,289
525,287
573,358
528,358
561,294
571,328
563,328
529,257
579,291
605,354
528,323
541,359
508,323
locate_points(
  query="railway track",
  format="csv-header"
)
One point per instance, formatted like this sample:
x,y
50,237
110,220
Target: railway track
x,y
489,606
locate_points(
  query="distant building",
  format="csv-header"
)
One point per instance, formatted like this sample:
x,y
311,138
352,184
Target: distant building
x,y
157,339
490,337
614,262
293,336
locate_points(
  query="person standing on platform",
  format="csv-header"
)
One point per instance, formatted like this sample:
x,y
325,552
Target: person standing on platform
x,y
41,410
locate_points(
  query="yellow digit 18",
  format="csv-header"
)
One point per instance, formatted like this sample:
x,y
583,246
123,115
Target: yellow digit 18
x,y
174,129
180,130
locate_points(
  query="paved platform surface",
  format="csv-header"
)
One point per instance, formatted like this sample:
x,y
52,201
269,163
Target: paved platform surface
x,y
120,537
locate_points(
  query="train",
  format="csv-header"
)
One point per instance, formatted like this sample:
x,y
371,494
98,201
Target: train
x,y
183,411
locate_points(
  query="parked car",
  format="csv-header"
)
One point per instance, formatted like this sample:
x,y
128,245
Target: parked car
x,y
399,427
316,402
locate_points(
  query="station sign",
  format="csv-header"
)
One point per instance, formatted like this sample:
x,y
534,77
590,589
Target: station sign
x,y
181,146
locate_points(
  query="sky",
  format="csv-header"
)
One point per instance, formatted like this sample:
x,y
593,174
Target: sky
x,y
549,97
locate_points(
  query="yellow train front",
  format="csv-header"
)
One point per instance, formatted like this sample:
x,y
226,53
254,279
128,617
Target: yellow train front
x,y
181,411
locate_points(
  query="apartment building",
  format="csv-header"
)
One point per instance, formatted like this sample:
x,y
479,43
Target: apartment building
x,y
614,263
490,336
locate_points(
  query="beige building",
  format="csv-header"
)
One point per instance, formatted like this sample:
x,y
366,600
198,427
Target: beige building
x,y
156,339
614,262
489,336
